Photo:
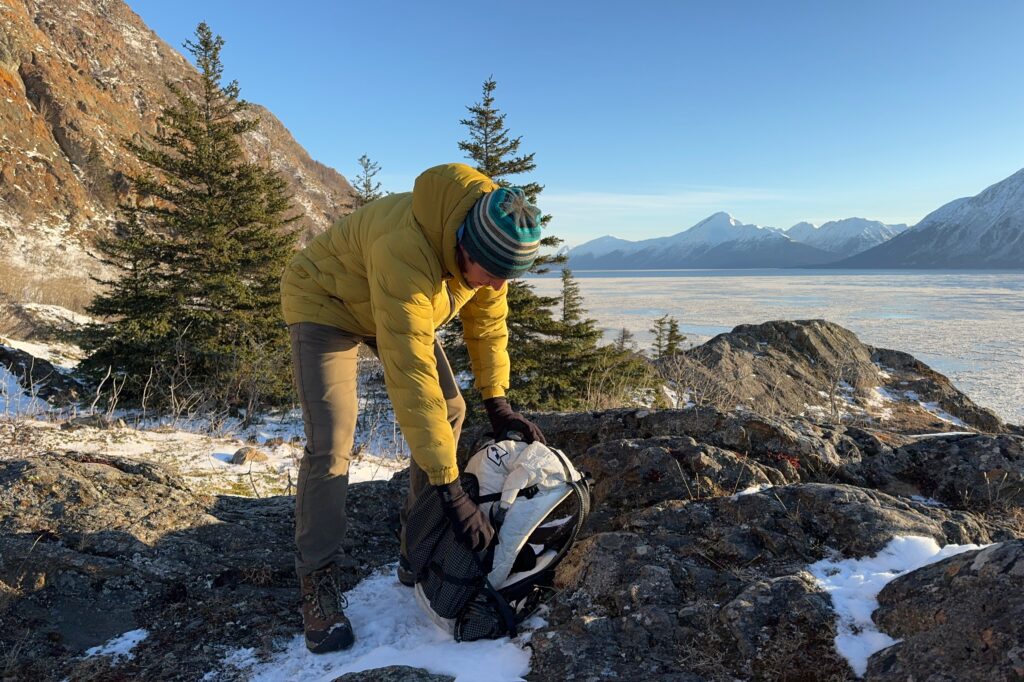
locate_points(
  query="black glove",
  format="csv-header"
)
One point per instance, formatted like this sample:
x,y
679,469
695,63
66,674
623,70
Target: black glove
x,y
504,419
469,523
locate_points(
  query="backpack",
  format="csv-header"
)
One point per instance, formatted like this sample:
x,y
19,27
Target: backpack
x,y
537,502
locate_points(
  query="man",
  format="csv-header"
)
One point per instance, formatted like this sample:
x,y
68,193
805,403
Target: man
x,y
389,275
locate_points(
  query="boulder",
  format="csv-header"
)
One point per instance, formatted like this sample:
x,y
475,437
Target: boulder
x,y
39,377
248,454
957,619
979,471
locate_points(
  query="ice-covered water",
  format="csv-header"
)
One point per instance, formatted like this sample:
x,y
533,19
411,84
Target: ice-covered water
x,y
967,325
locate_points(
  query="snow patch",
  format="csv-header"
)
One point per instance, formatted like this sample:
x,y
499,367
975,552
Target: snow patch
x,y
751,490
15,401
854,584
942,414
391,629
120,646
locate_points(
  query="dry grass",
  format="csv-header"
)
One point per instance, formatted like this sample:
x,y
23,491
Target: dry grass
x,y
21,284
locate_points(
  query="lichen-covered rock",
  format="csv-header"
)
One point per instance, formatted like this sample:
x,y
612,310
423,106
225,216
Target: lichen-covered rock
x,y
978,471
247,454
717,586
958,619
394,673
93,546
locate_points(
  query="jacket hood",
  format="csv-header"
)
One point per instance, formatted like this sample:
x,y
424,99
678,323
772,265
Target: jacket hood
x,y
441,198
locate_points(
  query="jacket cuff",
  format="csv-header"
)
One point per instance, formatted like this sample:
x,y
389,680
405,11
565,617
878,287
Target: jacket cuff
x,y
442,475
492,392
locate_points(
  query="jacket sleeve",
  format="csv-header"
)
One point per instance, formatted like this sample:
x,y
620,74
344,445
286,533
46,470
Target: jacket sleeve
x,y
484,322
400,296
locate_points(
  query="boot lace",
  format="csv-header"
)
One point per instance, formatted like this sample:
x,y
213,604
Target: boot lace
x,y
327,597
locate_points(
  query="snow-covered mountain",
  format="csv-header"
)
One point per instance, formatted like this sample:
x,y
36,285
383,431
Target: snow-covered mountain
x,y
718,241
984,231
845,237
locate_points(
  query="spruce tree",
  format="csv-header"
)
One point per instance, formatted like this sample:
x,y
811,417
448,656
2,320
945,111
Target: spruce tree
x,y
624,341
673,338
668,341
576,355
533,329
203,248
660,331
367,189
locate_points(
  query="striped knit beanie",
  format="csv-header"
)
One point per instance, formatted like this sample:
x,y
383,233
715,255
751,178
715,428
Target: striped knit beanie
x,y
502,232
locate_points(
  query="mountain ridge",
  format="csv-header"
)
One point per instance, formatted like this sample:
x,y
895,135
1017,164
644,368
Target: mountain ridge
x,y
76,78
983,231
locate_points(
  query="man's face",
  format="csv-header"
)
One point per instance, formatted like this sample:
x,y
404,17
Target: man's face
x,y
475,274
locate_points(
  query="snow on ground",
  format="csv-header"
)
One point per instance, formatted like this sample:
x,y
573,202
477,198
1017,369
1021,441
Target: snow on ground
x,y
203,460
854,584
927,501
942,414
62,355
944,434
752,489
391,629
120,646
15,401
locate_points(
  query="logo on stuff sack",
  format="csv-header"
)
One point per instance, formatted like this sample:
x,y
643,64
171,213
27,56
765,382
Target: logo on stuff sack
x,y
497,455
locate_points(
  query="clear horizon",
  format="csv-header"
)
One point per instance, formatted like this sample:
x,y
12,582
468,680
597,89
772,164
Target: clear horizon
x,y
644,122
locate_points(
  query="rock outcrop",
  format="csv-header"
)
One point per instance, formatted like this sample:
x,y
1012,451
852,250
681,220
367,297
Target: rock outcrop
x,y
692,566
92,547
819,370
76,78
40,378
962,614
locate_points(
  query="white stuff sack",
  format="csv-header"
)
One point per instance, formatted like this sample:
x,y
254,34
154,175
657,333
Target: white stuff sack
x,y
508,467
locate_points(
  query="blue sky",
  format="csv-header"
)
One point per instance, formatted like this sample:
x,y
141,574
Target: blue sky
x,y
646,117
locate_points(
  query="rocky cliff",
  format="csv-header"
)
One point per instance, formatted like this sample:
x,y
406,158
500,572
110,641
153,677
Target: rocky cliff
x,y
77,77
694,564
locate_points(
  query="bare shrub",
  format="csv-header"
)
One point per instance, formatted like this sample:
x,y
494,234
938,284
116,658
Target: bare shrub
x,y
21,284
843,373
623,381
694,381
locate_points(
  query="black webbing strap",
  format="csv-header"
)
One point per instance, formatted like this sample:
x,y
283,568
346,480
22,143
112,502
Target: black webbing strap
x,y
504,610
526,492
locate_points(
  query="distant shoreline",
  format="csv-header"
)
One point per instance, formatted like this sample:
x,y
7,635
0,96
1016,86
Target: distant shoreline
x,y
555,271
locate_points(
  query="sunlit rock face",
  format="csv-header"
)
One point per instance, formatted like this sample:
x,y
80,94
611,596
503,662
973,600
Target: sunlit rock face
x,y
77,78
697,561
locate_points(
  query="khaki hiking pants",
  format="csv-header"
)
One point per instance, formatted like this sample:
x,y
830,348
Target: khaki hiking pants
x,y
325,369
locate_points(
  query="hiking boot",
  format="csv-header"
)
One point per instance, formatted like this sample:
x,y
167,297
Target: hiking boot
x,y
323,612
405,574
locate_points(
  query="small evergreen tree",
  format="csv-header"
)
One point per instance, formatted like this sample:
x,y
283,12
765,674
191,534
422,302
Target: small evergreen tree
x,y
367,189
667,338
576,357
200,256
673,339
660,331
625,341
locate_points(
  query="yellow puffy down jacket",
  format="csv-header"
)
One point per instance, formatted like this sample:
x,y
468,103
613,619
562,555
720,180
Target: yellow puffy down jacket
x,y
389,271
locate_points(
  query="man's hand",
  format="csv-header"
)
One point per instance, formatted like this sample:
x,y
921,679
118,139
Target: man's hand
x,y
469,523
504,420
